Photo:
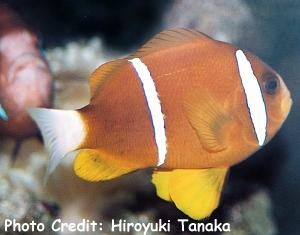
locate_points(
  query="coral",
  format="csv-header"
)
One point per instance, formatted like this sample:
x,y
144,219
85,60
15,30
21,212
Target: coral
x,y
253,215
19,199
221,19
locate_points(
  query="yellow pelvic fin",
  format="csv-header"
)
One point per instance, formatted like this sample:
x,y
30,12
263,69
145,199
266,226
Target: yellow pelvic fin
x,y
91,165
196,192
171,38
102,73
208,118
161,181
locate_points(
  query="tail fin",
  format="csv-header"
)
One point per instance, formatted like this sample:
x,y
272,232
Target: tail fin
x,y
62,130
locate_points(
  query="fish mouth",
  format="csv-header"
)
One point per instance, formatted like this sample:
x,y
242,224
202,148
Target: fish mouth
x,y
286,105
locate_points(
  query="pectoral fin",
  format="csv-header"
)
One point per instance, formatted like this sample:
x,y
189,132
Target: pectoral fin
x,y
208,118
92,165
3,114
195,192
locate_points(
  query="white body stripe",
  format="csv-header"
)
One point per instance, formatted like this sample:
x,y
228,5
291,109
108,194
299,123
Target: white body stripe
x,y
154,106
254,97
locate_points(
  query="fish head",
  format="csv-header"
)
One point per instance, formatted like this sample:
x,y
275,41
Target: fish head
x,y
276,95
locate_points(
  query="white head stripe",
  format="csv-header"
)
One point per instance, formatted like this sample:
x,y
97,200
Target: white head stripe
x,y
154,106
254,97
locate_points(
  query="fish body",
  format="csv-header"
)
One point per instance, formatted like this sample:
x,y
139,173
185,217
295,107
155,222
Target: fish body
x,y
25,77
184,104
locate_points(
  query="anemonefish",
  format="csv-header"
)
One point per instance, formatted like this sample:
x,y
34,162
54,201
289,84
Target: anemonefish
x,y
25,77
184,104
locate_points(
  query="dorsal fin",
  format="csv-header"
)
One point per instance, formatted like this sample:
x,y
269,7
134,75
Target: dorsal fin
x,y
163,40
102,72
170,38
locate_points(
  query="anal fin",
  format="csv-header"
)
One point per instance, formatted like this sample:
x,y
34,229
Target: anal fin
x,y
196,192
92,165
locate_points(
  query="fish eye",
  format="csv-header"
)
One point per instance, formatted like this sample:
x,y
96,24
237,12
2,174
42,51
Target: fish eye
x,y
270,83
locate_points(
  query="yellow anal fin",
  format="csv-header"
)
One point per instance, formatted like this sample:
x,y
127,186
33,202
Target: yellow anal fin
x,y
208,117
103,72
196,192
92,165
171,38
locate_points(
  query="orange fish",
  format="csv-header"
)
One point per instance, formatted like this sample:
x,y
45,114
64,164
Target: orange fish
x,y
184,104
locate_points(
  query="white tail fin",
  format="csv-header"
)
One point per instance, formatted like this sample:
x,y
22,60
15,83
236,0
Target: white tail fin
x,y
62,130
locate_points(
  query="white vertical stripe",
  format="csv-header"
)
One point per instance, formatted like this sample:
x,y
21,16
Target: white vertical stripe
x,y
154,106
254,97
